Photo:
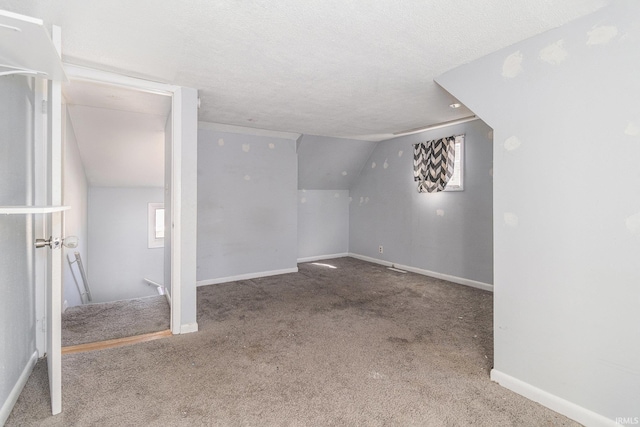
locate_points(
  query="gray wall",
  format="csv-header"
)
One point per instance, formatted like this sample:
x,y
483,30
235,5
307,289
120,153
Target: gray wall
x,y
119,257
566,207
448,232
17,287
327,168
74,194
247,216
323,222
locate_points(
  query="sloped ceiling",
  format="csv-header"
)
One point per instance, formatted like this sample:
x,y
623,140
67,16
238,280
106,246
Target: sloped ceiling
x,y
330,163
120,134
343,68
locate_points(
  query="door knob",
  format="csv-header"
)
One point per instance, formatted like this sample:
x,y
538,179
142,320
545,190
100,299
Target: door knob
x,y
55,243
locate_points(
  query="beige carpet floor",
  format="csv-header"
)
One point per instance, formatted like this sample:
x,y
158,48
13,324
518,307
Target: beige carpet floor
x,y
355,345
118,319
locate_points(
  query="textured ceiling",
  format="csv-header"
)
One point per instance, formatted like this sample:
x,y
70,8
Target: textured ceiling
x,y
345,68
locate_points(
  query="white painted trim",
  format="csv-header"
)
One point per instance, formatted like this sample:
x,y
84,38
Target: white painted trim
x,y
248,131
437,126
14,210
188,328
321,257
247,276
12,398
434,274
24,18
76,72
175,207
551,401
54,265
40,172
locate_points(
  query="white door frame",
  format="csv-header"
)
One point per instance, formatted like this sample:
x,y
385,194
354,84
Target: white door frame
x,y
75,72
53,294
40,172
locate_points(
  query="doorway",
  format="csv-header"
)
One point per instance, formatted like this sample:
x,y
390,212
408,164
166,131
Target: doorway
x,y
113,174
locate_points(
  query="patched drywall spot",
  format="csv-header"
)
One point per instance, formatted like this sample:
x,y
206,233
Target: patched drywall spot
x,y
361,200
632,129
344,173
366,200
633,224
511,219
601,35
246,148
303,200
350,199
385,164
373,165
440,212
304,190
555,53
272,145
400,153
512,143
221,142
247,178
512,66
336,195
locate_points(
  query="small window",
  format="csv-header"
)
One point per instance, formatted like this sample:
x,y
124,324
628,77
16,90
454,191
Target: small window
x,y
156,225
456,182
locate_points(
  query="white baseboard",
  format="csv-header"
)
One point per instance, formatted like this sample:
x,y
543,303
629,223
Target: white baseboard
x,y
188,328
434,274
553,402
246,276
8,404
321,257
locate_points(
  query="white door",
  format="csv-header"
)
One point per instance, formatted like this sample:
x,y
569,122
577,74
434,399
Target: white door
x,y
48,259
53,294
54,264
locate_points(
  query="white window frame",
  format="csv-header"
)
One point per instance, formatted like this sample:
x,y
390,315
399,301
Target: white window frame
x,y
459,166
153,241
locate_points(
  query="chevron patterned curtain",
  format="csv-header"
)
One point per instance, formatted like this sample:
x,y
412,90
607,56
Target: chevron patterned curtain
x,y
433,163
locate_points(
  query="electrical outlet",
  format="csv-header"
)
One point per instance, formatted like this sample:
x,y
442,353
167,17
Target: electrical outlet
x,y
380,249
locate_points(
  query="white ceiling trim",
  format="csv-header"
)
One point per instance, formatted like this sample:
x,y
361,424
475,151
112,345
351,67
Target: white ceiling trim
x,y
219,127
76,72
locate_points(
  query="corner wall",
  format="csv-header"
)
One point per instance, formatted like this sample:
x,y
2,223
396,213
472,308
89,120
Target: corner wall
x,y
327,169
564,107
449,233
247,216
323,224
